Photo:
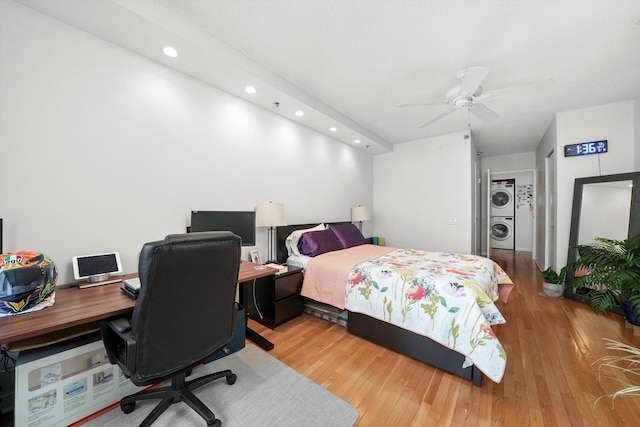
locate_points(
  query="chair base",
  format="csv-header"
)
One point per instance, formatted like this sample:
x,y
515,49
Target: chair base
x,y
180,390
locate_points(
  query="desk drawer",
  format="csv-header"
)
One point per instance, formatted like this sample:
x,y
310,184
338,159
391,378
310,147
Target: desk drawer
x,y
287,285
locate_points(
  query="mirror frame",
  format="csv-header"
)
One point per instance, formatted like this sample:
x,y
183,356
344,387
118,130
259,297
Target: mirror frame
x,y
634,219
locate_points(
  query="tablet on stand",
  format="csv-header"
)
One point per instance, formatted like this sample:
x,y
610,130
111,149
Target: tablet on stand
x,y
96,269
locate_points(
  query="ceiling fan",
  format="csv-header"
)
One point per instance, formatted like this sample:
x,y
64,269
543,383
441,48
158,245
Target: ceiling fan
x,y
467,95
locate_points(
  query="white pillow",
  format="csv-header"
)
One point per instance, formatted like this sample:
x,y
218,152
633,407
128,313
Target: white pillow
x,y
291,242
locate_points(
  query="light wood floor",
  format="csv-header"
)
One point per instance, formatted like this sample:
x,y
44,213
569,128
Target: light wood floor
x,y
550,378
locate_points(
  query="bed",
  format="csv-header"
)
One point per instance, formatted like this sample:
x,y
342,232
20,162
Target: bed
x,y
443,310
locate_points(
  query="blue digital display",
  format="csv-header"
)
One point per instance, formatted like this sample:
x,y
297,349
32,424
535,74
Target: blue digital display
x,y
586,148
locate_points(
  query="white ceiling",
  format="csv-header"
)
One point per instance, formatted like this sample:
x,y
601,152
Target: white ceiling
x,y
349,63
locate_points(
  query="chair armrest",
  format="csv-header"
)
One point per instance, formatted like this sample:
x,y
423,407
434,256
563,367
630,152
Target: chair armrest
x,y
120,346
120,325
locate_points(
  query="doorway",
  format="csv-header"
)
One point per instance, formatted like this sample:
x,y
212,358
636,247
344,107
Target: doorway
x,y
522,199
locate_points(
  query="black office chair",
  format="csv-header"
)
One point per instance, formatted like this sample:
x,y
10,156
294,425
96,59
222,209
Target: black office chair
x,y
185,311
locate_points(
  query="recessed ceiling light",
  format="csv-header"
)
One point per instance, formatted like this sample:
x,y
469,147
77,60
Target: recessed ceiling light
x,y
169,51
357,141
299,113
250,89
333,129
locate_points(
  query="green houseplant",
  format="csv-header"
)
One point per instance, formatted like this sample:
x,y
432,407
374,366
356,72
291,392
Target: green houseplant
x,y
553,283
627,362
612,276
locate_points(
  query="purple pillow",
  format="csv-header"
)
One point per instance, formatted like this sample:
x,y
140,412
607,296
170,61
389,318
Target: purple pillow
x,y
318,242
348,235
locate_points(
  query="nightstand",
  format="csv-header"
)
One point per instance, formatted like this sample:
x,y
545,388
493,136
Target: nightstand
x,y
273,300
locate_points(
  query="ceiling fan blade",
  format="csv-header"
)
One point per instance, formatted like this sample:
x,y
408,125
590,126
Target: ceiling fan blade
x,y
473,77
438,117
483,112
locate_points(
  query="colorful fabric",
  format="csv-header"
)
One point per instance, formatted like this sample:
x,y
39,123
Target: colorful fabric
x,y
444,296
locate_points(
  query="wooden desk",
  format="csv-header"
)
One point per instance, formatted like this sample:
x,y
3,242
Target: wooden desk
x,y
75,312
249,272
79,311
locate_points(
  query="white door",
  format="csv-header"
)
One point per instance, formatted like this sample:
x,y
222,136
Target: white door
x,y
550,165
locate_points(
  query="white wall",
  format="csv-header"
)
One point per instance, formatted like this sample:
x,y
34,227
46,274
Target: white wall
x,y
104,150
420,190
509,162
636,131
613,122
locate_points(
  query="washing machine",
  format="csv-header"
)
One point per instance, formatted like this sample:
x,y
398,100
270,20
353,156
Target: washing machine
x,y
503,232
503,198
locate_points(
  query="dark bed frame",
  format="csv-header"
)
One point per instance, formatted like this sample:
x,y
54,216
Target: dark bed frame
x,y
390,336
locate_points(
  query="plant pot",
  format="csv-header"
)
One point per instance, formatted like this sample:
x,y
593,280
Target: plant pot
x,y
629,314
553,290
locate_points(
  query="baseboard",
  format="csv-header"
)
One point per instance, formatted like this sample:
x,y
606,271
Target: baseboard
x,y
635,328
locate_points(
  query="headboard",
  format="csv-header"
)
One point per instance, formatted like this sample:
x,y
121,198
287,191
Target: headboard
x,y
283,232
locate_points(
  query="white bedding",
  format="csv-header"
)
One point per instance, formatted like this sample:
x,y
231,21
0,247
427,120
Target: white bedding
x,y
299,261
444,296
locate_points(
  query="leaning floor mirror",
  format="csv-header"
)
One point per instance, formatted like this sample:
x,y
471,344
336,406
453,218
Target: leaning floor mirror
x,y
603,206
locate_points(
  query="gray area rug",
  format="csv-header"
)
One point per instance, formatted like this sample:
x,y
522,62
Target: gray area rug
x,y
266,393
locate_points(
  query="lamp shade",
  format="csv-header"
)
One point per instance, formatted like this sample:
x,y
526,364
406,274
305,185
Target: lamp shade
x,y
270,215
360,213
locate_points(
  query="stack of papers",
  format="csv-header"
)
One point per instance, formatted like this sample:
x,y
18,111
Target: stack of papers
x,y
281,268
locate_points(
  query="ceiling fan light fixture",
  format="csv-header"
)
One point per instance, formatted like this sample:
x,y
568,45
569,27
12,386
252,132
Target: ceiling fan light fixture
x,y
462,101
452,93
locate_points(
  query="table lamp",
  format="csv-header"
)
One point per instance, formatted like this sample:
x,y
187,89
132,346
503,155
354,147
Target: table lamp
x,y
270,215
360,214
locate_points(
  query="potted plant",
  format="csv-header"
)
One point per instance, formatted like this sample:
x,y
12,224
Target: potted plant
x,y
612,276
627,362
553,283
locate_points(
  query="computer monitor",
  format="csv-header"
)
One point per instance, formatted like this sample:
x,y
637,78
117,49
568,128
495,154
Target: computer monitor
x,y
242,223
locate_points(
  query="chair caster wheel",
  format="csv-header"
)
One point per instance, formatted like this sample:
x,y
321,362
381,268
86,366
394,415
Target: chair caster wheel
x,y
128,407
216,423
231,379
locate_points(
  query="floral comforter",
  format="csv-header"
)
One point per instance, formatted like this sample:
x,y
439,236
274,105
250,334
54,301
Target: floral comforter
x,y
444,296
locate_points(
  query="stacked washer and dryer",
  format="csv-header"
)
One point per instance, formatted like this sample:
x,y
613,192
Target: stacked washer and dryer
x,y
503,214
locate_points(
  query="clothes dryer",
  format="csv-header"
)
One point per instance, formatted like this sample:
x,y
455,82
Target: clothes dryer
x,y
503,198
503,232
